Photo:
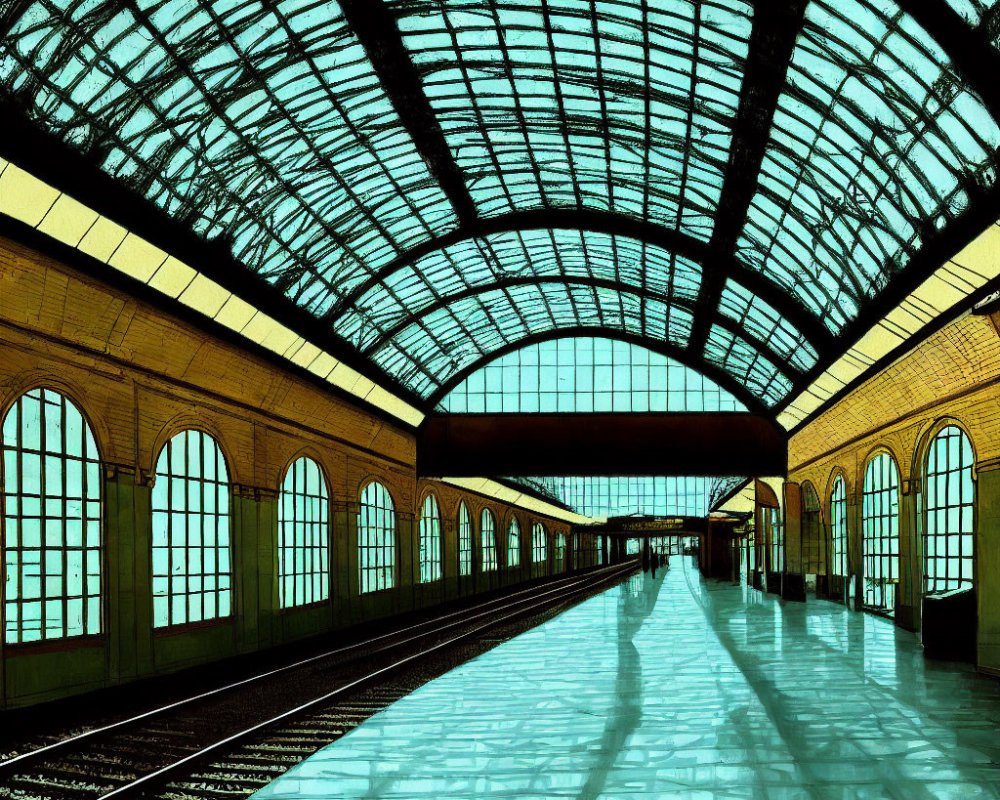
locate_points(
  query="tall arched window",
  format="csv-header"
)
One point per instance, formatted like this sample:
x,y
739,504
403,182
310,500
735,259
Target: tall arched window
x,y
560,553
488,532
950,490
514,543
880,532
838,526
464,540
192,563
376,538
50,482
303,536
430,540
538,553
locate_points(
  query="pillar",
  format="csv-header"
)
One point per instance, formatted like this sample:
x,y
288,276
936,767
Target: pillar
x,y
793,579
988,566
910,563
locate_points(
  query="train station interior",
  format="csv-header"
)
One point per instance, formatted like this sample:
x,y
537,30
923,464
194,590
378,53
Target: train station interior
x,y
500,399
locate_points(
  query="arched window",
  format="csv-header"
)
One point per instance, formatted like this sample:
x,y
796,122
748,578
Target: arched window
x,y
538,553
464,540
950,488
192,564
838,526
50,481
560,553
488,531
430,540
376,538
880,532
514,543
303,536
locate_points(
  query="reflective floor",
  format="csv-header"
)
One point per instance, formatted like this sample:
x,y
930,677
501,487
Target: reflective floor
x,y
677,688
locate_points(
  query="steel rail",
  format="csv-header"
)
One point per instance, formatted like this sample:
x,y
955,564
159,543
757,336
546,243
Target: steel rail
x,y
162,774
467,614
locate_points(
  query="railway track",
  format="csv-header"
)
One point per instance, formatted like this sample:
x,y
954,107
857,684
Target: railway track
x,y
233,739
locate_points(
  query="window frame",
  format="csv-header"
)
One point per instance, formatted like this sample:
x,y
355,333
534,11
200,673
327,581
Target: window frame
x,y
966,507
326,574
839,537
389,540
488,542
513,543
466,540
224,489
89,463
429,535
888,496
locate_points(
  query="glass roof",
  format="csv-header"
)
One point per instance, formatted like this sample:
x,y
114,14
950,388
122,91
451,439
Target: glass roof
x,y
476,175
586,374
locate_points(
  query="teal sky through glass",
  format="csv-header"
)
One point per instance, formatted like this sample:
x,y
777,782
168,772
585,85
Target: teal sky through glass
x,y
586,374
471,175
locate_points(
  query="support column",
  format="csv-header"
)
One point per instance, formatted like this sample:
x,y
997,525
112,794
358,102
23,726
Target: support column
x,y
793,581
988,566
910,574
855,585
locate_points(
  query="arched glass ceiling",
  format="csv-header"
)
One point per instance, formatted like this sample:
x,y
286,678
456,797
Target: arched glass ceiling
x,y
586,374
875,142
624,106
434,183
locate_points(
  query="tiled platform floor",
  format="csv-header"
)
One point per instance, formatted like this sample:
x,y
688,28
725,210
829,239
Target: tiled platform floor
x,y
677,688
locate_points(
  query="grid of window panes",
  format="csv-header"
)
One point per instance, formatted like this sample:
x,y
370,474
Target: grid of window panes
x,y
602,496
192,560
880,532
586,374
950,493
559,556
538,548
600,550
838,526
376,538
303,536
464,540
488,535
631,547
430,540
514,543
50,483
777,561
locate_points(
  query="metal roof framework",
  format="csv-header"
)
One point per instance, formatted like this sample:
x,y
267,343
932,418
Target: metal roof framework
x,y
744,186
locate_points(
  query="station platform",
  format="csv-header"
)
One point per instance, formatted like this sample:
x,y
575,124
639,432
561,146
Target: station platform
x,y
674,687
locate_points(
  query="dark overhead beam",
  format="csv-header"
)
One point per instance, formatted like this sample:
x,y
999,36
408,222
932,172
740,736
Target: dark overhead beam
x,y
611,224
404,322
375,26
971,52
776,24
458,445
719,376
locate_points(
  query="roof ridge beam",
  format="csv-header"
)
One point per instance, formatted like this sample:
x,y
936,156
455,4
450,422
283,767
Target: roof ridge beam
x,y
776,26
375,25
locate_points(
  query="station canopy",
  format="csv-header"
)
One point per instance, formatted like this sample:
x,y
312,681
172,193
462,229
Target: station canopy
x,y
743,187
